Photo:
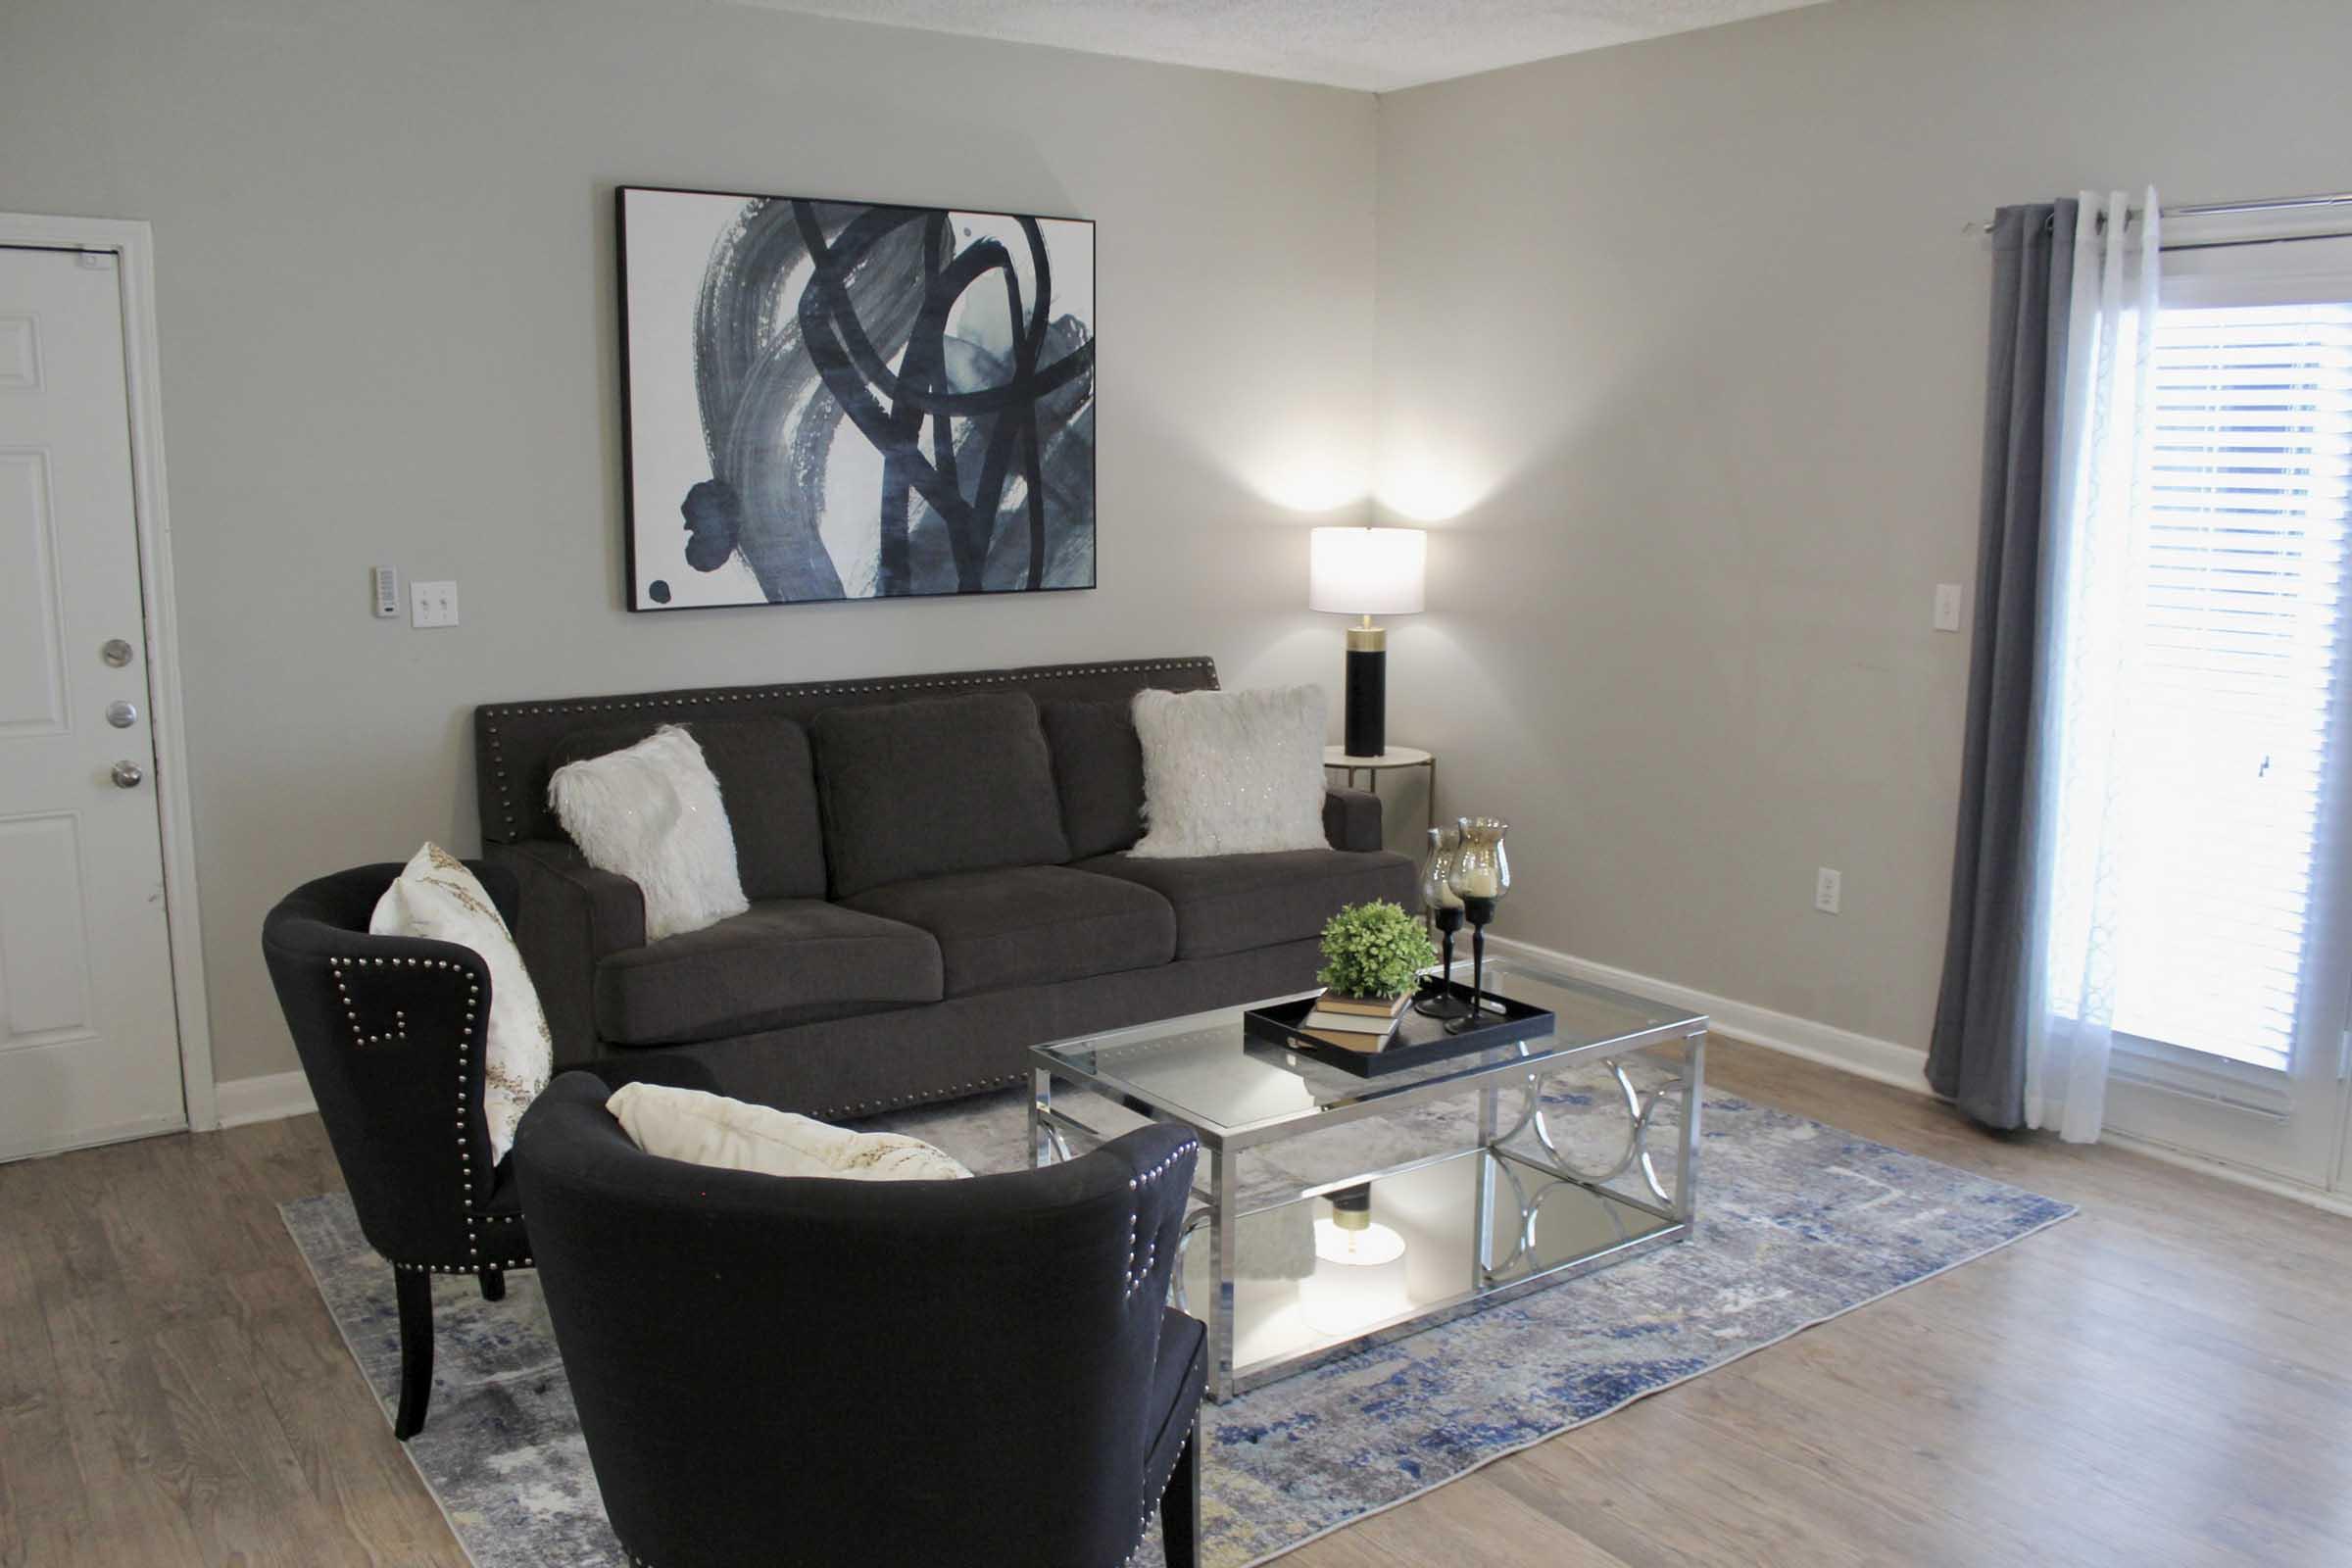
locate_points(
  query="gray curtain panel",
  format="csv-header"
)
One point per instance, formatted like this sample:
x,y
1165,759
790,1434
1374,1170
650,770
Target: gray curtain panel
x,y
1978,1055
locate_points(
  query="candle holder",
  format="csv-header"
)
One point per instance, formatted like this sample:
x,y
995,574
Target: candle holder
x,y
1480,875
1480,913
1445,908
1441,1002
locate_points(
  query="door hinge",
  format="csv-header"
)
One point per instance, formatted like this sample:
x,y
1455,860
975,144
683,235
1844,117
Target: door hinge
x,y
2344,1057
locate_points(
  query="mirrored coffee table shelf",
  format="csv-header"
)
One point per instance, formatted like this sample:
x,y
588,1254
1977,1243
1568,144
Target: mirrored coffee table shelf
x,y
1334,1209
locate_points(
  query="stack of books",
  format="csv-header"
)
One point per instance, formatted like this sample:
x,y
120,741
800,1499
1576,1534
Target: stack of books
x,y
1353,1023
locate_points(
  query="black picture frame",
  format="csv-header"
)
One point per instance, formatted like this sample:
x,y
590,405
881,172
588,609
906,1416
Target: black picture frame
x,y
1033,429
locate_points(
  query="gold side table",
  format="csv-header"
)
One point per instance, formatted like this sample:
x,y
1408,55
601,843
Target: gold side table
x,y
1388,762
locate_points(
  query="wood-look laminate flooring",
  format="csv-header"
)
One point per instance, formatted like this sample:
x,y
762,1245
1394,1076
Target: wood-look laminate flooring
x,y
2166,1379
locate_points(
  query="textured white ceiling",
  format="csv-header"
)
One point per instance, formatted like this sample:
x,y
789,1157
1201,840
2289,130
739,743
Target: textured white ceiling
x,y
1374,44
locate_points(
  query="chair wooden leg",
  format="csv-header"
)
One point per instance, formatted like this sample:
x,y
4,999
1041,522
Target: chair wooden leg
x,y
494,1284
415,1291
1180,1505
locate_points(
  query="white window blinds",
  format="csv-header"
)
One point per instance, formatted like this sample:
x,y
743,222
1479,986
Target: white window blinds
x,y
2246,494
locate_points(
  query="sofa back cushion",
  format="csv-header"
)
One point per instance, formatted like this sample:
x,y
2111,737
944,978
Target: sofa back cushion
x,y
513,743
768,784
934,786
1098,770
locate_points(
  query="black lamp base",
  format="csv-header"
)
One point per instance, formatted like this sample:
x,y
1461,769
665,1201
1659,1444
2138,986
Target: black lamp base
x,y
1367,702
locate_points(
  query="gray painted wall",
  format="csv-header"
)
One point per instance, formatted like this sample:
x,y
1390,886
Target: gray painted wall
x,y
1682,343
1678,344
383,235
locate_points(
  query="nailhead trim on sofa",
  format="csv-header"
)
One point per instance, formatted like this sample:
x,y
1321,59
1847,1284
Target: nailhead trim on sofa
x,y
492,713
924,1096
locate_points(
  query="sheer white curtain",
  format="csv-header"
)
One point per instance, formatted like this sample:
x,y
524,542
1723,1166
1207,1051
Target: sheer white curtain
x,y
2092,564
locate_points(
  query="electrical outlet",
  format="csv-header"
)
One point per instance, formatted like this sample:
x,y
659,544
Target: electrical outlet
x,y
1947,607
1828,890
432,604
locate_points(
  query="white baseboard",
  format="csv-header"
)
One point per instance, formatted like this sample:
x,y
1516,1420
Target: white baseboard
x,y
242,1101
1881,1061
2235,1175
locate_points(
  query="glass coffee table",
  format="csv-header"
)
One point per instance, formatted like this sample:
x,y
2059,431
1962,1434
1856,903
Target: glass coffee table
x,y
1373,1207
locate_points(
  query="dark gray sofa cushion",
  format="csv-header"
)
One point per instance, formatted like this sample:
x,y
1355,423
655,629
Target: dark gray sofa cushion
x,y
1030,925
770,787
1231,902
781,962
934,787
1098,770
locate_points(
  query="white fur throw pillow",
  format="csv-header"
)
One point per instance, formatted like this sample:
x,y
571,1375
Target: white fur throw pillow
x,y
704,1129
436,896
1231,773
652,814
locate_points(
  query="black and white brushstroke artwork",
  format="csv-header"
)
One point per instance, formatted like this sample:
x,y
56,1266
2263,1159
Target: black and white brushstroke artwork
x,y
844,400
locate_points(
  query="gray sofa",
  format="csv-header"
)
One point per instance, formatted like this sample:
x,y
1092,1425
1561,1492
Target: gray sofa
x,y
937,882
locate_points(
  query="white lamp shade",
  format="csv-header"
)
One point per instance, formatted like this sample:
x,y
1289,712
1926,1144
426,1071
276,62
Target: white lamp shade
x,y
1367,571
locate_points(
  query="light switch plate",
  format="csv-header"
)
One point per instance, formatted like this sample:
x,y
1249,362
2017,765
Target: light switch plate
x,y
1947,607
432,604
1828,890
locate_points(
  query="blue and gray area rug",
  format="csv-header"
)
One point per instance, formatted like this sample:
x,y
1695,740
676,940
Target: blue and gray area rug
x,y
1799,1222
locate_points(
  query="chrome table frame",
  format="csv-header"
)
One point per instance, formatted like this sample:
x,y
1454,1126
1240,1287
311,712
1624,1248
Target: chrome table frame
x,y
1216,1185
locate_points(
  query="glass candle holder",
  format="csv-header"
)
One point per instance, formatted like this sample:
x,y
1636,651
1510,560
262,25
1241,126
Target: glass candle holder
x,y
1481,869
1445,907
1481,875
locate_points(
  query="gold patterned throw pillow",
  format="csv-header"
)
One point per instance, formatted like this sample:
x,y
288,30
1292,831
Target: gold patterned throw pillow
x,y
704,1129
436,896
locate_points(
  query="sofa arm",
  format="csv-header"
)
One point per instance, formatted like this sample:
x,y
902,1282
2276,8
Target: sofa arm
x,y
573,917
1351,819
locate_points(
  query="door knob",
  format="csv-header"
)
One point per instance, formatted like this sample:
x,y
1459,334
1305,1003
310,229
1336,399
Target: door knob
x,y
129,775
122,715
116,652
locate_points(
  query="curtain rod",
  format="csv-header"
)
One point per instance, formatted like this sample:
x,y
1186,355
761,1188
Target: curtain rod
x,y
2270,203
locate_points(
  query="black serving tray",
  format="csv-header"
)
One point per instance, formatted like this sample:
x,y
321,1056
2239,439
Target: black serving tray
x,y
1418,1041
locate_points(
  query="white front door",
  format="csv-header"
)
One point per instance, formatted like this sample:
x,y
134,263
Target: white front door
x,y
89,1046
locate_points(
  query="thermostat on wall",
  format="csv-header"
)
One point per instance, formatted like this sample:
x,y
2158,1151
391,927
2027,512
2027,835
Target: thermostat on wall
x,y
385,580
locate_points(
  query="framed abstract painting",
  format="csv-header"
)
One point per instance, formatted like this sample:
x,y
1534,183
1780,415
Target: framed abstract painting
x,y
829,400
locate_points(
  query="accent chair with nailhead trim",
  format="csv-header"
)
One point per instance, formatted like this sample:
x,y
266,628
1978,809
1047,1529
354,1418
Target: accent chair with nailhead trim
x,y
389,1030
807,1373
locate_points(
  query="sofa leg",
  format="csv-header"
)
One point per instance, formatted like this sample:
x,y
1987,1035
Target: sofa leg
x,y
415,1291
494,1284
1180,1505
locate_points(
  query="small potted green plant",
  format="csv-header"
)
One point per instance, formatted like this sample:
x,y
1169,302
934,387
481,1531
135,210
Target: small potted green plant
x,y
1373,955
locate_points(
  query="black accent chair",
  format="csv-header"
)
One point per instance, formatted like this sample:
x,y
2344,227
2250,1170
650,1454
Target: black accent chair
x,y
817,1372
390,1034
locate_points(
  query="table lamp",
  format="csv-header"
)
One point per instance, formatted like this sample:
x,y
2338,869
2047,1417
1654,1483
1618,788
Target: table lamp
x,y
1367,572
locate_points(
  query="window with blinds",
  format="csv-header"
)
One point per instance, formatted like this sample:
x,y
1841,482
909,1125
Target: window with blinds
x,y
2245,498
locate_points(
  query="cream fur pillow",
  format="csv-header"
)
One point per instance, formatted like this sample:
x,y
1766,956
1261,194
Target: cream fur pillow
x,y
436,896
652,814
1231,773
704,1129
